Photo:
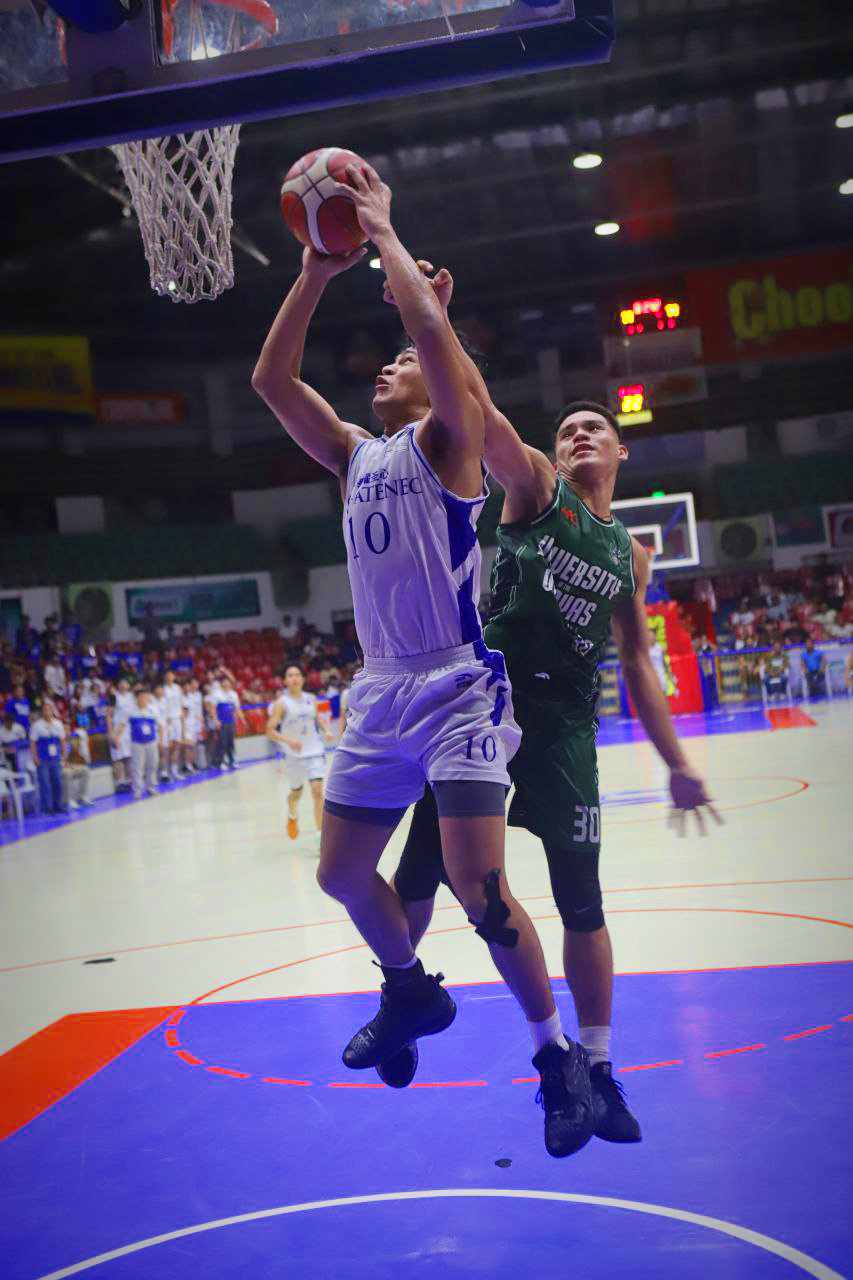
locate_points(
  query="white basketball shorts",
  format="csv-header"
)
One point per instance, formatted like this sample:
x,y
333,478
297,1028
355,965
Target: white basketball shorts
x,y
301,769
122,751
192,731
439,717
174,731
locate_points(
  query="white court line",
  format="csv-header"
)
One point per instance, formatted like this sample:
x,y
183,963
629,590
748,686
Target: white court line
x,y
802,1260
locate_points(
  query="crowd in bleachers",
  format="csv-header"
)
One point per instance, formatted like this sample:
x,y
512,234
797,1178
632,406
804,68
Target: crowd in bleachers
x,y
158,709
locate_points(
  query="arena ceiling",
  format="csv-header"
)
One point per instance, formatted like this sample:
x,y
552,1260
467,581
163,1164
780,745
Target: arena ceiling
x,y
715,120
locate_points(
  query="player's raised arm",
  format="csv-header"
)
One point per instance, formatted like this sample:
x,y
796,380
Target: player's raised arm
x,y
305,415
524,473
452,406
631,633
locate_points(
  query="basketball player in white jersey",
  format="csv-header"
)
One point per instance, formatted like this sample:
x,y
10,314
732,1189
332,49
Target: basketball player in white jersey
x,y
118,728
173,701
193,723
433,702
295,725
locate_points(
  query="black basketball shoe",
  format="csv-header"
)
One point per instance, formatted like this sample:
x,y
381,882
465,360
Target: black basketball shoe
x,y
613,1121
399,1072
411,1004
566,1098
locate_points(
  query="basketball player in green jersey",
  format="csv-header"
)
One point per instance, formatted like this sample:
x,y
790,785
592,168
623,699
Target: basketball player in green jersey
x,y
566,571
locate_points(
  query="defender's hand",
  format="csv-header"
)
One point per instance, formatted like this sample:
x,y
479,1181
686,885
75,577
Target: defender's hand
x,y
372,199
689,795
325,266
442,284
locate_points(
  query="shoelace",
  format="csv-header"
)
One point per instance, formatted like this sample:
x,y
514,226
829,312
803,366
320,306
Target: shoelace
x,y
552,1084
607,1082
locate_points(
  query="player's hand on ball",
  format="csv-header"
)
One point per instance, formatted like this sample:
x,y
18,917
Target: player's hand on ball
x,y
687,789
324,266
442,284
372,199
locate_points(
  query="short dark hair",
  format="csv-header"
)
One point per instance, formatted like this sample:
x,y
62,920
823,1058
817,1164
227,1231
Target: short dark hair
x,y
473,352
293,666
576,406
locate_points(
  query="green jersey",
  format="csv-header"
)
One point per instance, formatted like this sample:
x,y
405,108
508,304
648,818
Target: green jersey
x,y
554,585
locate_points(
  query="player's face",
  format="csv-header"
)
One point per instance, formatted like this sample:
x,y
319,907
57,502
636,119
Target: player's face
x,y
586,443
400,389
294,680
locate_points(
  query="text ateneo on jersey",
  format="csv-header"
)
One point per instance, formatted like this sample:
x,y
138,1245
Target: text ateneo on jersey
x,y
565,571
374,486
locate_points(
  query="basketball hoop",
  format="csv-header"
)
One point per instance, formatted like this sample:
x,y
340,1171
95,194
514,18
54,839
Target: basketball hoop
x,y
180,186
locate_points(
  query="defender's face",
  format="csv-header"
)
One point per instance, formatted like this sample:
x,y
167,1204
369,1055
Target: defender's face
x,y
586,444
399,384
294,680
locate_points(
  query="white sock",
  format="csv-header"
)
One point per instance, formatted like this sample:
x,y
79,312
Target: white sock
x,y
596,1041
410,964
549,1031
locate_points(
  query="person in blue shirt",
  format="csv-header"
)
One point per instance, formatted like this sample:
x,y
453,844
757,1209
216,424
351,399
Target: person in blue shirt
x,y
146,740
47,736
19,705
814,669
228,710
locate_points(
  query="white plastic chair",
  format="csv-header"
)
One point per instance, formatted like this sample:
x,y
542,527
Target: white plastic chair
x,y
17,785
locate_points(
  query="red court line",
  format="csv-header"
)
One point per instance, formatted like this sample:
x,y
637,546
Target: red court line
x,y
810,1031
189,1057
650,1066
448,1084
725,1053
227,1071
847,1017
788,718
50,1064
280,1080
355,1084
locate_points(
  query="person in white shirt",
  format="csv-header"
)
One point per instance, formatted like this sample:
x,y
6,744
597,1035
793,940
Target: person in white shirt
x,y
193,723
118,729
228,711
147,734
54,678
173,703
295,725
77,770
47,735
13,742
162,708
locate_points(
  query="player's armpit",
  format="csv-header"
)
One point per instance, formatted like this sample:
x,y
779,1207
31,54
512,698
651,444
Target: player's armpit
x,y
311,422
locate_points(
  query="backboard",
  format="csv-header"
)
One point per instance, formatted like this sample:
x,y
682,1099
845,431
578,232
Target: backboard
x,y
160,74
665,525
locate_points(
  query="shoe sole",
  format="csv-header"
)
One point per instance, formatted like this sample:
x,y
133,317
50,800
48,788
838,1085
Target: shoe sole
x,y
388,1063
604,1137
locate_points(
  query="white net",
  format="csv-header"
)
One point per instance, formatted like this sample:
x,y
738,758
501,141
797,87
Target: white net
x,y
181,191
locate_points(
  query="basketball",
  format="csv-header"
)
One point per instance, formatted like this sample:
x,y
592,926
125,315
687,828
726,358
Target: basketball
x,y
313,206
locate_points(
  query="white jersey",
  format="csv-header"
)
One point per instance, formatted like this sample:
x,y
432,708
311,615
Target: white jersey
x,y
412,552
173,700
192,704
124,709
298,719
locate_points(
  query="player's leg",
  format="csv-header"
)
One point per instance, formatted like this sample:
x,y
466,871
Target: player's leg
x,y
294,795
294,777
413,1003
421,869
316,785
137,764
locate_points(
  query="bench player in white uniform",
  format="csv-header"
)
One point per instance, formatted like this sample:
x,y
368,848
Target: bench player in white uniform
x,y
433,702
295,725
193,723
173,701
118,728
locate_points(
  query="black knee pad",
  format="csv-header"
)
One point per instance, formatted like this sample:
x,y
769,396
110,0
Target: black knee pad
x,y
576,887
421,867
493,927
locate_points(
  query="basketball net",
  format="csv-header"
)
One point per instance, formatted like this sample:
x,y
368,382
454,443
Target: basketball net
x,y
180,186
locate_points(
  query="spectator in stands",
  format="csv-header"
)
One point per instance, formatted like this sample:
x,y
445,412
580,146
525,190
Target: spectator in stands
x,y
47,736
149,629
743,616
77,771
11,735
814,669
20,706
146,742
289,630
774,672
848,672
228,710
5,669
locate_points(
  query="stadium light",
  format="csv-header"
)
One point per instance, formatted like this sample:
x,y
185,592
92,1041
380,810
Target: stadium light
x,y
846,188
376,263
587,160
607,228
845,121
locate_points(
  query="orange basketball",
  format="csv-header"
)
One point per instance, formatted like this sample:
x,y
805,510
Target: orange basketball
x,y
315,209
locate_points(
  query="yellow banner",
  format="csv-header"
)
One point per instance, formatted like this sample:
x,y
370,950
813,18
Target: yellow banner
x,y
46,374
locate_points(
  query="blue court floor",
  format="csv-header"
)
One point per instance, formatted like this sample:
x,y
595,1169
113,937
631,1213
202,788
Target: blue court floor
x,y
735,1076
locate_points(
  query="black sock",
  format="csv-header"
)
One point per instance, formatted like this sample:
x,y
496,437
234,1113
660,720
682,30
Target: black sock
x,y
403,977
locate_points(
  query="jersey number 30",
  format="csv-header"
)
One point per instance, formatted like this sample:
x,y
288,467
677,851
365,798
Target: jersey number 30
x,y
587,828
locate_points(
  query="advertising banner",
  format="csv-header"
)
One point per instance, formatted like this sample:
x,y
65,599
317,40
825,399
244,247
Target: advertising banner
x,y
194,601
839,526
673,658
47,375
775,307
